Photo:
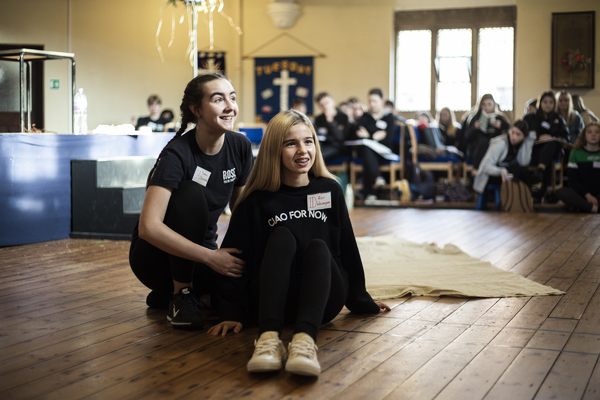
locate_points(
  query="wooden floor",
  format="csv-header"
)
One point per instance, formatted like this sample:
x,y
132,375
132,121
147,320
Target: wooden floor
x,y
73,324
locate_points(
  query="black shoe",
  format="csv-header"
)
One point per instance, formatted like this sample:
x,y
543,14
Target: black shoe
x,y
184,311
158,299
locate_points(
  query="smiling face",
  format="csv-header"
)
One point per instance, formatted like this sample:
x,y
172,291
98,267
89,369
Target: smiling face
x,y
592,135
218,110
516,136
297,155
547,104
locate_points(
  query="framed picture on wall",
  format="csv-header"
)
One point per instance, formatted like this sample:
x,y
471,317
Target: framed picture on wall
x,y
573,45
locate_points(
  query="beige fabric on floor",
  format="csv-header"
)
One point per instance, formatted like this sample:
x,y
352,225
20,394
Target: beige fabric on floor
x,y
395,267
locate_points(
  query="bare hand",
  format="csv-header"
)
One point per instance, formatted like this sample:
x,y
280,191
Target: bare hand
x,y
545,137
383,307
379,135
362,132
474,172
223,327
329,114
590,198
223,262
477,124
496,124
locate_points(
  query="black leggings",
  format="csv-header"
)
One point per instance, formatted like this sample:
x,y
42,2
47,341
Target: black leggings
x,y
187,214
572,198
306,296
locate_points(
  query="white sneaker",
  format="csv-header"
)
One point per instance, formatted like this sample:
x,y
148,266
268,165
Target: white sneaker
x,y
379,181
269,353
303,356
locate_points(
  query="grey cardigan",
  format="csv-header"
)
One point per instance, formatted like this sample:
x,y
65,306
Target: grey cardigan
x,y
496,152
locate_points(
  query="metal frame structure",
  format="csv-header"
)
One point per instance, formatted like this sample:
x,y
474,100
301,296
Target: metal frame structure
x,y
25,57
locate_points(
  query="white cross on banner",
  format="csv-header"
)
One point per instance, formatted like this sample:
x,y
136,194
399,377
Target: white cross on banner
x,y
280,80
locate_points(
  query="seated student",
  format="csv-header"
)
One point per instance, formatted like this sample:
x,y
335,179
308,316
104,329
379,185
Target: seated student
x,y
507,157
449,127
376,124
530,107
302,262
564,107
356,109
548,125
168,115
583,192
331,127
154,121
487,123
586,114
174,250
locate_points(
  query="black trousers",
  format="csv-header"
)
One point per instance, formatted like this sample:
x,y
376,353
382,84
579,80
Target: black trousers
x,y
370,161
572,198
545,153
187,214
306,295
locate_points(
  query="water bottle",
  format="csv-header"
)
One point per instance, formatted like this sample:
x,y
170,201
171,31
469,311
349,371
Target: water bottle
x,y
80,113
349,195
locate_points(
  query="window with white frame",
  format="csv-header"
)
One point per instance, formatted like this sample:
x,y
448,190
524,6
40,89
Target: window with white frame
x,y
458,57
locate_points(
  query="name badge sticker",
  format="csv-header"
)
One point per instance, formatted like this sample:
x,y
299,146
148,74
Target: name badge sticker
x,y
545,124
596,164
319,201
381,124
201,176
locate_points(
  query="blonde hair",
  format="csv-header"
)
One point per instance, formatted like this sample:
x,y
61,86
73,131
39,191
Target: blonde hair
x,y
451,125
581,139
266,173
570,111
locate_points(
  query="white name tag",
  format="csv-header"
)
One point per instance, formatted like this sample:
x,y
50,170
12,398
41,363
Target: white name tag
x,y
596,164
201,176
381,124
319,201
322,131
545,124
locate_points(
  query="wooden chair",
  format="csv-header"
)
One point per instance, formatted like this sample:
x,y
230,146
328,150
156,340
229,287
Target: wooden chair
x,y
446,164
558,173
396,170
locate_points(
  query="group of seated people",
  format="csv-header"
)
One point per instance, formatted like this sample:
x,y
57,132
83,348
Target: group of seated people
x,y
554,124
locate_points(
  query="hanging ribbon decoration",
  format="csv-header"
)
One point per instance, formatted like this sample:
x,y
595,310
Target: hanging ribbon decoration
x,y
193,7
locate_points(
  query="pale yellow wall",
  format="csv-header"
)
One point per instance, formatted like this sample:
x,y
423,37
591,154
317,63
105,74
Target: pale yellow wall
x,y
355,39
118,64
533,42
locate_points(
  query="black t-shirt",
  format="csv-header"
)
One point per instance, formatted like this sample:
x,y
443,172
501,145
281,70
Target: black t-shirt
x,y
261,212
183,160
333,132
386,123
156,125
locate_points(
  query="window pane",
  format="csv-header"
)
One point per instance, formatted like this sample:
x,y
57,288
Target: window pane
x,y
495,65
413,72
453,63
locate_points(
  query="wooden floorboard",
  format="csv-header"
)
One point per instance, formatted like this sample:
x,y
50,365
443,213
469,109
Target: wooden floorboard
x,y
74,324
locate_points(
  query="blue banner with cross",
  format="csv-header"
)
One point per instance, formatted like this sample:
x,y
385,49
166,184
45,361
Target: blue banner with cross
x,y
280,80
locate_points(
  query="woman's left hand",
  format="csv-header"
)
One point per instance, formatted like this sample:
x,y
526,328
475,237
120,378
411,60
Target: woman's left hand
x,y
223,327
496,124
383,307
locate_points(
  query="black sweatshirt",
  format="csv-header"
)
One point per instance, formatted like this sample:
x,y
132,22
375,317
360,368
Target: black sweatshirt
x,y
260,213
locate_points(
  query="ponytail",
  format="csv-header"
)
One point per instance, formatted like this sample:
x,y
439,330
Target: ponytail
x,y
192,96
